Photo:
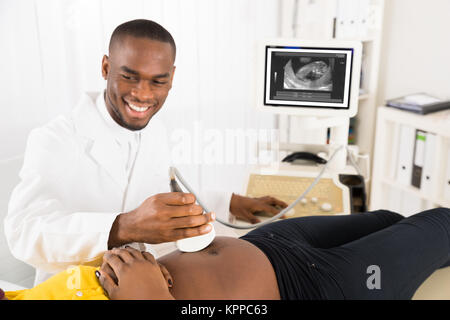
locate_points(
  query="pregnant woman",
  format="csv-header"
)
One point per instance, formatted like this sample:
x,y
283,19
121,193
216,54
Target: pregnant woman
x,y
317,257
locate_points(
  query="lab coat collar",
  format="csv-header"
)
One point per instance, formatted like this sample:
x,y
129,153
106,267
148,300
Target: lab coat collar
x,y
102,145
90,124
118,131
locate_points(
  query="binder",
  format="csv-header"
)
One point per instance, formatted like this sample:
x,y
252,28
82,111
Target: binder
x,y
419,154
363,18
428,179
421,103
394,152
351,18
341,22
346,18
405,155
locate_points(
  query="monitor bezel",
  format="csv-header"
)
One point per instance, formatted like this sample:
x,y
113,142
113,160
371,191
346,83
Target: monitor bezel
x,y
310,109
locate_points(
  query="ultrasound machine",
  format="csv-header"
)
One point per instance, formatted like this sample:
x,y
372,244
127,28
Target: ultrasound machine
x,y
315,83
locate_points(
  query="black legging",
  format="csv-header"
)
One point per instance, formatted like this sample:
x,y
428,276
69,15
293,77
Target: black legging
x,y
327,257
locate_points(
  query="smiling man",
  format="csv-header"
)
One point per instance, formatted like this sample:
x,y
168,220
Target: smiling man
x,y
98,178
139,72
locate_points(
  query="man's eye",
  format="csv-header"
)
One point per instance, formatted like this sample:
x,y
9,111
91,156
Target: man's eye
x,y
160,82
128,77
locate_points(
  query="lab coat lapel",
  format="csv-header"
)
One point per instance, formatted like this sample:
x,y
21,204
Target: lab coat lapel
x,y
101,146
150,173
106,153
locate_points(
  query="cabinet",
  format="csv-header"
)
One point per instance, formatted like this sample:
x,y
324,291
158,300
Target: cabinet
x,y
386,190
363,20
346,20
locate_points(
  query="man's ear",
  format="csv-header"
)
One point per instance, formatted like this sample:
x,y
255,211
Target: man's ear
x,y
105,67
171,78
173,72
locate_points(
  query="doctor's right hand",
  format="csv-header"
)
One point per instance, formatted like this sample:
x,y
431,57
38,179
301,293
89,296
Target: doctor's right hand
x,y
164,217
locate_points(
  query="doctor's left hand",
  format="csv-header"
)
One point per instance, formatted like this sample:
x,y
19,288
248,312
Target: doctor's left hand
x,y
245,208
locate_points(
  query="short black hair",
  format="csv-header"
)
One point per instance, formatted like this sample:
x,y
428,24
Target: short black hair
x,y
142,28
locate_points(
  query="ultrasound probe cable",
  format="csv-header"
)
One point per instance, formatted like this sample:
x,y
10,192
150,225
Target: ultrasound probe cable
x,y
173,172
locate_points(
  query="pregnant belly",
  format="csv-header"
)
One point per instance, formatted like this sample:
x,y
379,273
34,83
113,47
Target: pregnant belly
x,y
229,268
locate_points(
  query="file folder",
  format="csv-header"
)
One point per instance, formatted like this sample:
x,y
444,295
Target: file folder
x,y
419,155
405,155
392,174
428,180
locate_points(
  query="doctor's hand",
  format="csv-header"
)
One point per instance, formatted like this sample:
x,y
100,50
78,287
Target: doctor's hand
x,y
245,208
164,217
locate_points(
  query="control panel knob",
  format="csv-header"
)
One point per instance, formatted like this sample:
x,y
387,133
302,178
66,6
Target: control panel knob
x,y
326,207
290,213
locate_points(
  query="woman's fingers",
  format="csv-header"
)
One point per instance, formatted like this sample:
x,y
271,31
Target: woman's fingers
x,y
123,254
134,253
114,262
2,295
107,284
149,257
166,275
107,269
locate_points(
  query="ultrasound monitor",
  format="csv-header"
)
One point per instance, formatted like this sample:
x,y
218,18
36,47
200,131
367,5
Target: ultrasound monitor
x,y
309,78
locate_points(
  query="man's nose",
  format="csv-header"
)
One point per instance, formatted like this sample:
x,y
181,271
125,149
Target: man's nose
x,y
143,91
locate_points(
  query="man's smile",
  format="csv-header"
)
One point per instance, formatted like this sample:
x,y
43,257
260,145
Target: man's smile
x,y
139,110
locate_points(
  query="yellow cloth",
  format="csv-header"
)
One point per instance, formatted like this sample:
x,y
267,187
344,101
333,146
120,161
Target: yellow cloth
x,y
75,283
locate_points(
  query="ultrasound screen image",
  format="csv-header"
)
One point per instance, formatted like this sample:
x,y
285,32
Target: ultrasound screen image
x,y
306,73
303,75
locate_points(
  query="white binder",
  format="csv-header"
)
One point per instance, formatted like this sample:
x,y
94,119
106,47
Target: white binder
x,y
347,18
405,155
392,174
428,182
363,18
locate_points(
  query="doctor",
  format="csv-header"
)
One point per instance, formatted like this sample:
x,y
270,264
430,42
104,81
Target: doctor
x,y
98,178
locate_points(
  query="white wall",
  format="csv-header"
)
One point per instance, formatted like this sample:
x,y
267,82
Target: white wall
x,y
416,49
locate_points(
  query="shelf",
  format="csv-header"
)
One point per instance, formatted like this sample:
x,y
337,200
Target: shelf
x,y
364,40
363,96
386,191
414,191
437,122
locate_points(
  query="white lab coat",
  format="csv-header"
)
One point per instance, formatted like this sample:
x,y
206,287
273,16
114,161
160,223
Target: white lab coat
x,y
73,185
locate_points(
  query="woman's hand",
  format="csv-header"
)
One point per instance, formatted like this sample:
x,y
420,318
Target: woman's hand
x,y
2,295
128,274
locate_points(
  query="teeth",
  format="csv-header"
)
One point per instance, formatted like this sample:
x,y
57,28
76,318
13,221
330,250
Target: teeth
x,y
138,109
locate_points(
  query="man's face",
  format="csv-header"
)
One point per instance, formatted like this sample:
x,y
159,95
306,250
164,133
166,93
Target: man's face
x,y
139,74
